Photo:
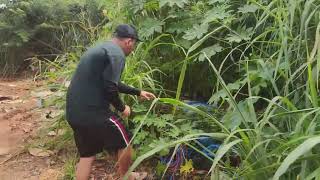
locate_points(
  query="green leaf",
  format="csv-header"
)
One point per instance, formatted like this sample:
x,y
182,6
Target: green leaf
x,y
234,38
152,5
202,40
221,151
186,127
216,1
221,94
241,34
157,142
231,120
174,133
159,122
138,118
180,25
302,149
248,8
137,5
23,35
150,26
313,175
164,152
3,25
184,43
139,108
217,13
167,117
141,136
160,168
179,3
217,96
210,51
196,32
46,26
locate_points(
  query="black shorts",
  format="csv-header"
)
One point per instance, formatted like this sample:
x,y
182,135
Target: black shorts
x,y
110,135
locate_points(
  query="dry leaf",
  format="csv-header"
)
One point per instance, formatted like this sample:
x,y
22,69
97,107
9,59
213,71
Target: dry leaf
x,y
26,129
50,174
52,133
15,102
67,84
41,94
61,132
40,152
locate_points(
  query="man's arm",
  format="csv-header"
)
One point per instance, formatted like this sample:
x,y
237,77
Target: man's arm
x,y
123,88
113,96
134,91
111,77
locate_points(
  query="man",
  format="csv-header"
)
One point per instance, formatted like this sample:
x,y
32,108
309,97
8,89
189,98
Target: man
x,y
94,87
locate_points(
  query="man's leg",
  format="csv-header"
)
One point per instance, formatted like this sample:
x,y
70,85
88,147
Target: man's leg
x,y
124,163
84,168
124,160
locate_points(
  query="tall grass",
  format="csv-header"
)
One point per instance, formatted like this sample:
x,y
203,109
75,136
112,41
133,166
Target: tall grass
x,y
279,139
273,101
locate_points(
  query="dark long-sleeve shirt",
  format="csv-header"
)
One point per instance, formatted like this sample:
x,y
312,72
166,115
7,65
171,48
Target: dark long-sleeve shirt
x,y
113,91
96,84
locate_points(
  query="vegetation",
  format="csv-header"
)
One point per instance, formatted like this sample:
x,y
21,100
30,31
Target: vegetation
x,y
256,63
44,29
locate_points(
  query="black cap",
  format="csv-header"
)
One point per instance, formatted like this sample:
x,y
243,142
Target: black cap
x,y
126,31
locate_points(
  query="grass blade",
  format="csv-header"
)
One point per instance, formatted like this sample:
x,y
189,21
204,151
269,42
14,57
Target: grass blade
x,y
295,154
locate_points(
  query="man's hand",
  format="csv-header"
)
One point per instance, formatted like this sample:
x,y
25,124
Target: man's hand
x,y
147,95
126,112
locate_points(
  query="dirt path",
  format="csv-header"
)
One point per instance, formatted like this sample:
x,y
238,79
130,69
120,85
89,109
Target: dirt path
x,y
19,121
16,115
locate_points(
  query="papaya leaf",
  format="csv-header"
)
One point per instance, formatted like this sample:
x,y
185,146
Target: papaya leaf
x,y
217,13
209,51
248,8
179,3
150,26
196,32
137,5
241,34
216,1
180,26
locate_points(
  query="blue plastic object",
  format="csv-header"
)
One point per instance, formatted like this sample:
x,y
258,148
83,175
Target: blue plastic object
x,y
183,152
209,144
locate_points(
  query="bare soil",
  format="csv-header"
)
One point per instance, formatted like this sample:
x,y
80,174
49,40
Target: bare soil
x,y
20,121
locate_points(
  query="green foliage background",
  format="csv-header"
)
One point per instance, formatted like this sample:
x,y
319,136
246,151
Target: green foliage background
x,y
255,62
44,28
